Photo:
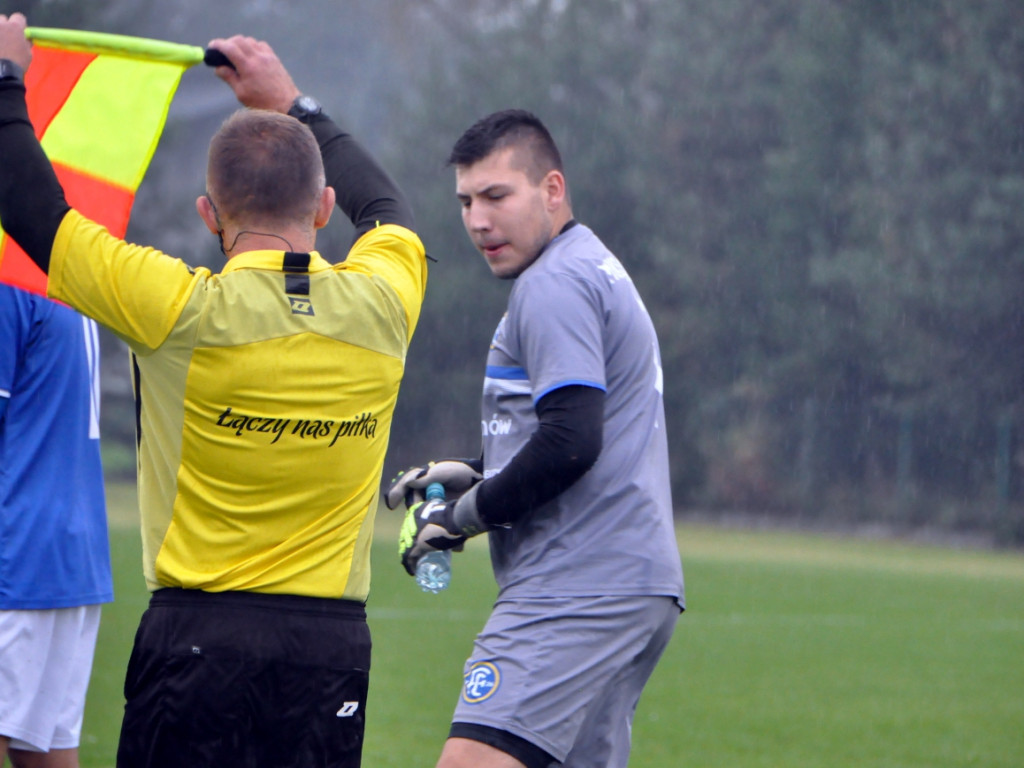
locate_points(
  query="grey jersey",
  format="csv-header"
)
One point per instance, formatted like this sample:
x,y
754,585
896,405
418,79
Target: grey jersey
x,y
574,317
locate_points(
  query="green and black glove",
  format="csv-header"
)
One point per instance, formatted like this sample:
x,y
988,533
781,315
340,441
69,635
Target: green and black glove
x,y
435,525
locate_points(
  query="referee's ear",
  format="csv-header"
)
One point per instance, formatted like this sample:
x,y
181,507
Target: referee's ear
x,y
324,208
207,214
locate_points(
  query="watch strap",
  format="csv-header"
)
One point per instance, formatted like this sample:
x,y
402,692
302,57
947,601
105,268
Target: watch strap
x,y
10,70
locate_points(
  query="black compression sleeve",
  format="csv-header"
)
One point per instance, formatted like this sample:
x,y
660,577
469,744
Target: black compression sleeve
x,y
566,444
365,192
32,203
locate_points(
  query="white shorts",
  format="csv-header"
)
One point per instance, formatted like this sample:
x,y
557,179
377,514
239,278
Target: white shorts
x,y
45,663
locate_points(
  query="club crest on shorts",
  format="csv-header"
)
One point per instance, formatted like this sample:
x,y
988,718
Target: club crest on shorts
x,y
481,682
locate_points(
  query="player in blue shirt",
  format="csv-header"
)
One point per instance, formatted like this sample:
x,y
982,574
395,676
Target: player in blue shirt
x,y
54,551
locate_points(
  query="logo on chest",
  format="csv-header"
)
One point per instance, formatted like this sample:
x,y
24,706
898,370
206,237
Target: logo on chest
x,y
301,305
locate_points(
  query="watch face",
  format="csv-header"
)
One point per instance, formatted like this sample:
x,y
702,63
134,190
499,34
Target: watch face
x,y
304,107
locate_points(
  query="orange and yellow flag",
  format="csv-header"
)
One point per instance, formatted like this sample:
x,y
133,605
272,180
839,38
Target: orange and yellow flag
x,y
98,103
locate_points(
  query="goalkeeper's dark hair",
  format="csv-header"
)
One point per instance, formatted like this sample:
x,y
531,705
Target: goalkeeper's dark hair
x,y
510,128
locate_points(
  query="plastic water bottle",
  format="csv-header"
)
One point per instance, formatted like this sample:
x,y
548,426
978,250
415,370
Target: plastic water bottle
x,y
434,570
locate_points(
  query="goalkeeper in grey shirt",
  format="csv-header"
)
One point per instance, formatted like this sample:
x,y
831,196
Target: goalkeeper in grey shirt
x,y
573,486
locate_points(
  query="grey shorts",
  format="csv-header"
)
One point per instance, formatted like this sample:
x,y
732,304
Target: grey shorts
x,y
565,674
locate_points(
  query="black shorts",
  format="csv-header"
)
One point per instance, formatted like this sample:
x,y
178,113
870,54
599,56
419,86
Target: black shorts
x,y
247,680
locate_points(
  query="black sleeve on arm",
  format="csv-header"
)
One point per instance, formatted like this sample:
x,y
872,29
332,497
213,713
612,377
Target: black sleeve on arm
x,y
365,192
566,444
32,203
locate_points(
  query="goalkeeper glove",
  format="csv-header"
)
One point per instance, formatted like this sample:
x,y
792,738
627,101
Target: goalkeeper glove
x,y
435,525
456,475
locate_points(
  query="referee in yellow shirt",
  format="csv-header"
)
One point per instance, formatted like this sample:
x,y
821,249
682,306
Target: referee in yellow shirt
x,y
264,398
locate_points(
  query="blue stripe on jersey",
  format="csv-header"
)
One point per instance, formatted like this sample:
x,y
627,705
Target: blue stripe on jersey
x,y
507,380
510,372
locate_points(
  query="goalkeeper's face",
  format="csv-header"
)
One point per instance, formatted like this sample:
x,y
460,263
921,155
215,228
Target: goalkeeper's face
x,y
508,216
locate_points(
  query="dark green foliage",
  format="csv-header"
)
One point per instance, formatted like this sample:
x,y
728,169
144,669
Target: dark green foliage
x,y
819,202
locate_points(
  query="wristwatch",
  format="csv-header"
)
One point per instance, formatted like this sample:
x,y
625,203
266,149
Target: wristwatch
x,y
304,108
9,70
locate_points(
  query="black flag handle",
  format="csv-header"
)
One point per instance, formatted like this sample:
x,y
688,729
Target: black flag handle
x,y
214,58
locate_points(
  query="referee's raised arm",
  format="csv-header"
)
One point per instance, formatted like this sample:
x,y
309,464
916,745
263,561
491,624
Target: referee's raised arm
x,y
365,192
32,203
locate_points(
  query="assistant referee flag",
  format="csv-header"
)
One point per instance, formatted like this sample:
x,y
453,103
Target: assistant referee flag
x,y
98,103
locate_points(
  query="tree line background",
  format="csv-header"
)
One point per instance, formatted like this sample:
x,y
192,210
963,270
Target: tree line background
x,y
818,200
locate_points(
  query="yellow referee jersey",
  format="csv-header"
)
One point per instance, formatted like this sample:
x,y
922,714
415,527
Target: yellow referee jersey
x,y
265,396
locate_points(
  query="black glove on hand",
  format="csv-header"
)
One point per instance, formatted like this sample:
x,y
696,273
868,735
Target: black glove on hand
x,y
428,526
433,525
456,475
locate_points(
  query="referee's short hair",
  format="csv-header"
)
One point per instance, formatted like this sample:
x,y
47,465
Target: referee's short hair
x,y
264,166
516,128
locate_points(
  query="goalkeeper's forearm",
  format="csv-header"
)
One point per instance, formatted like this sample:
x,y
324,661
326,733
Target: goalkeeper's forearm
x,y
565,446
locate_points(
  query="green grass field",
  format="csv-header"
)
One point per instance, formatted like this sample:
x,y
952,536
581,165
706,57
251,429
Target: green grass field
x,y
796,650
